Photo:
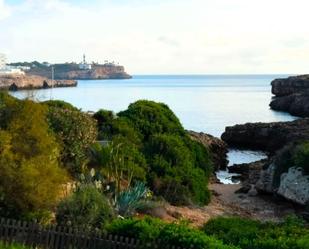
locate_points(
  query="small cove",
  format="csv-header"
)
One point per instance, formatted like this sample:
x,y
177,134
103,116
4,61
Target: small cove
x,y
203,103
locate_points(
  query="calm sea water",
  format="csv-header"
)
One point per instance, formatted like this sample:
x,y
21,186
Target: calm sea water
x,y
206,103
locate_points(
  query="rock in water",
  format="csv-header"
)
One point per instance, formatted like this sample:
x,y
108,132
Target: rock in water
x,y
290,85
292,95
266,136
17,82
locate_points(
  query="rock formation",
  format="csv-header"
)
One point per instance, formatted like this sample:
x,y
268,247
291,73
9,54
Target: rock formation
x,y
71,71
294,186
266,136
292,95
17,82
216,146
290,85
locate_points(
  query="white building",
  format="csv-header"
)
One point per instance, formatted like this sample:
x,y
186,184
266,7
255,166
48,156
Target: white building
x,y
8,70
84,65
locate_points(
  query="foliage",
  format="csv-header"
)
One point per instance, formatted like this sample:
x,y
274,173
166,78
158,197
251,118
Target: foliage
x,y
179,168
292,155
59,104
104,120
301,156
128,201
250,234
75,131
85,207
122,163
12,246
149,230
30,154
151,118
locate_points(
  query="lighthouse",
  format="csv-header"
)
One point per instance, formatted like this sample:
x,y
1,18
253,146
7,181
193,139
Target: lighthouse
x,y
84,65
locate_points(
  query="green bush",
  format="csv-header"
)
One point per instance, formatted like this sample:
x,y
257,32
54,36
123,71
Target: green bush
x,y
149,118
29,153
87,206
75,131
149,230
12,246
59,104
301,156
179,168
250,234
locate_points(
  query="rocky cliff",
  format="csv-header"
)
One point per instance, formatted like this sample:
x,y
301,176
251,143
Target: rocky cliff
x,y
266,136
292,95
290,85
216,146
71,71
18,82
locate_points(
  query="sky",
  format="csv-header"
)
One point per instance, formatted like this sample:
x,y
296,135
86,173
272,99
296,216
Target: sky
x,y
161,36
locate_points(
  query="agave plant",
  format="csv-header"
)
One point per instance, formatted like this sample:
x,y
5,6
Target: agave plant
x,y
131,199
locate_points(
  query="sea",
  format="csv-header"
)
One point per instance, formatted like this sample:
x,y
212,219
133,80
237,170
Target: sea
x,y
203,103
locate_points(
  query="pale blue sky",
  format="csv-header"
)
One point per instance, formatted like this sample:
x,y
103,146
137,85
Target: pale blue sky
x,y
156,36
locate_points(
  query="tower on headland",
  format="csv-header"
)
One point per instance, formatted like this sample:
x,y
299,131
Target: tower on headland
x,y
84,65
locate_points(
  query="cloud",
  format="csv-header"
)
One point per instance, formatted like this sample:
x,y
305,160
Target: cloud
x,y
4,10
156,36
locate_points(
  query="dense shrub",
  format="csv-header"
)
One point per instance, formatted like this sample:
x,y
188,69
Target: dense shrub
x,y
29,153
250,234
87,206
60,104
151,118
149,230
178,168
121,162
75,131
12,246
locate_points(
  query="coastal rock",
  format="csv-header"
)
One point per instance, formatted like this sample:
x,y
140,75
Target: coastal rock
x,y
71,71
17,82
296,104
290,85
250,172
265,182
292,95
266,136
294,186
216,146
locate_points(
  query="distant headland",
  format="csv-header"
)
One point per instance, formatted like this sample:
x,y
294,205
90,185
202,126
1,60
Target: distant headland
x,y
26,75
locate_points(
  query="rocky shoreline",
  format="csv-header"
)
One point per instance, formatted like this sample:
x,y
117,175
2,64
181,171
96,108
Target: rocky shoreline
x,y
292,95
278,139
25,82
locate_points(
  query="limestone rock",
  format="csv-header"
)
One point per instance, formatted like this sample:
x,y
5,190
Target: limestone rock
x,y
16,82
266,136
265,183
294,186
292,95
290,85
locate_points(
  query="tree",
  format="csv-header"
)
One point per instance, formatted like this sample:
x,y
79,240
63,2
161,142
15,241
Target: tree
x,y
75,131
29,153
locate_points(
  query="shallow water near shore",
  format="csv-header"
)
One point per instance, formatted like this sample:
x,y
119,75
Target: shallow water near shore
x,y
203,103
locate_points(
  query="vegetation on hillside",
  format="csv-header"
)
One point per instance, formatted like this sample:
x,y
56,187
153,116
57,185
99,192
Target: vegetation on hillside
x,y
30,173
116,165
177,167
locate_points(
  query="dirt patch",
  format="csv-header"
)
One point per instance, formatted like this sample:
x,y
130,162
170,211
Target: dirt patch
x,y
225,202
